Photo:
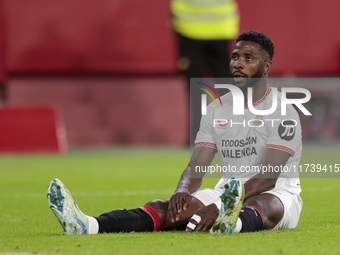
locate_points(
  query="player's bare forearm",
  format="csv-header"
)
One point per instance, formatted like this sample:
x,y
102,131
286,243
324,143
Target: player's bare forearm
x,y
188,184
202,156
264,182
182,196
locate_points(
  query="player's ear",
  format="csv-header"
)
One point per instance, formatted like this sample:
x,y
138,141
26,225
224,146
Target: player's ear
x,y
268,67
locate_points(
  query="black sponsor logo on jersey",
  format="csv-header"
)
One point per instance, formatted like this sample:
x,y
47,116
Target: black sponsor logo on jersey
x,y
287,130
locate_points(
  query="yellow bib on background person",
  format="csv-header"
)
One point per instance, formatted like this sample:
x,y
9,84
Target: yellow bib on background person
x,y
206,19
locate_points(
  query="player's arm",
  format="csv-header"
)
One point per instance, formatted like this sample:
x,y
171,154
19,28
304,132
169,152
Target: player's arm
x,y
266,181
189,183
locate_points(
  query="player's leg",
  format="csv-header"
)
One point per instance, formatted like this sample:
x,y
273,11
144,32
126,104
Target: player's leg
x,y
263,211
161,206
277,209
268,206
151,217
200,199
280,208
259,212
192,53
192,63
220,58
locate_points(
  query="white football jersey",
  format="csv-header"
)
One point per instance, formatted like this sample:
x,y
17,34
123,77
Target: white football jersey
x,y
241,139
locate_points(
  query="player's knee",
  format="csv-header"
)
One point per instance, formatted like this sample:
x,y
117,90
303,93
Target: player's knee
x,y
161,207
259,206
254,202
157,204
271,213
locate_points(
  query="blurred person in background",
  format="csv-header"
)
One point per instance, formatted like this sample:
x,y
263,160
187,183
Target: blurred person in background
x,y
204,29
3,94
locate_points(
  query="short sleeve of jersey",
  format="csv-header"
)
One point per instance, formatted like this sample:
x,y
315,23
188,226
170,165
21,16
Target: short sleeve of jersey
x,y
205,136
284,131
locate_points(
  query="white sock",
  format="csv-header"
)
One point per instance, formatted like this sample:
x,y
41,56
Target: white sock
x,y
93,226
238,226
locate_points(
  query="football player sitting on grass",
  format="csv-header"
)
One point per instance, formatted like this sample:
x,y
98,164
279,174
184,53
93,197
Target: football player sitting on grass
x,y
242,201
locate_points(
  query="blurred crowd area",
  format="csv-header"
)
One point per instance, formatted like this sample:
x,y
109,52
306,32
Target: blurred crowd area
x,y
112,68
324,124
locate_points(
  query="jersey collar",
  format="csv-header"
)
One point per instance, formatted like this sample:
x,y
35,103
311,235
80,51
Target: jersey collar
x,y
269,89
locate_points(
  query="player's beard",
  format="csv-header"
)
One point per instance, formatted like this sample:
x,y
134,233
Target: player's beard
x,y
250,81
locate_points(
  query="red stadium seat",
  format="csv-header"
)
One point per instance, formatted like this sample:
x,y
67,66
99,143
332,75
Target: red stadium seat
x,y
31,129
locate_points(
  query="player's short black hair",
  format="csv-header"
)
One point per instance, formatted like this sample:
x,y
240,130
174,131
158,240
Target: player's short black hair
x,y
260,38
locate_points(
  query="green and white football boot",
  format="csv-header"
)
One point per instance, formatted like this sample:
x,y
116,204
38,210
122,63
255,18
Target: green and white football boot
x,y
73,221
232,201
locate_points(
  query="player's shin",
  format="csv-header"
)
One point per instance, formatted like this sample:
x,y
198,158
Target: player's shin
x,y
144,219
249,220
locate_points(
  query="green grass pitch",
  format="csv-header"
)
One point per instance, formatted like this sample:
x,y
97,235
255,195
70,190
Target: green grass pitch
x,y
104,180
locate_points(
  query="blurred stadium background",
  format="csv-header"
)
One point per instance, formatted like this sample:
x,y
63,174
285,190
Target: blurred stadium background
x,y
107,70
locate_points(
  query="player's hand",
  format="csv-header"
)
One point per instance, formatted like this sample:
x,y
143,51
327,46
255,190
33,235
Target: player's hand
x,y
178,202
208,216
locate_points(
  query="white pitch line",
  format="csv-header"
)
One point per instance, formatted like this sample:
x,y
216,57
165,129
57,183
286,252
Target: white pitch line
x,y
125,193
128,193
15,253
